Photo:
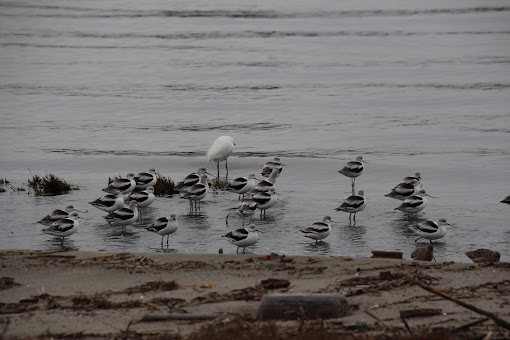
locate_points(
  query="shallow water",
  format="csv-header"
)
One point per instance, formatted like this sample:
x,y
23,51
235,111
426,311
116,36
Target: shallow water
x,y
90,90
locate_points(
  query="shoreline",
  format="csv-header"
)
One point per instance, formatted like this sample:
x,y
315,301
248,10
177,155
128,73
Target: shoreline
x,y
100,294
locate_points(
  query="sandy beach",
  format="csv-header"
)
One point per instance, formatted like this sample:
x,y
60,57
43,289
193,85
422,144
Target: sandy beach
x,y
79,294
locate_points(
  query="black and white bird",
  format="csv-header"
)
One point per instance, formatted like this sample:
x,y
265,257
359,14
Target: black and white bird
x,y
143,180
402,191
430,230
241,185
56,215
63,227
353,169
415,180
143,199
318,230
269,166
264,185
243,238
415,203
353,204
265,200
506,200
190,180
197,192
124,185
247,206
109,202
164,226
124,216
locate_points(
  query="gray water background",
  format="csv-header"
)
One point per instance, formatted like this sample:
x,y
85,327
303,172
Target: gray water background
x,y
93,89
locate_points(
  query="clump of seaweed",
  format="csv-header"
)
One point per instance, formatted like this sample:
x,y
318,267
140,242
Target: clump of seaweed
x,y
49,185
218,184
164,186
17,189
3,182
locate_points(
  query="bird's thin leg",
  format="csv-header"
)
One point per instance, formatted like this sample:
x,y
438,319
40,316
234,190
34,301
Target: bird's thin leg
x,y
162,237
237,251
354,218
350,218
218,168
352,184
226,167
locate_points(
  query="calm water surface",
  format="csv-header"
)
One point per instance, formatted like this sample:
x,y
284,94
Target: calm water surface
x,y
89,90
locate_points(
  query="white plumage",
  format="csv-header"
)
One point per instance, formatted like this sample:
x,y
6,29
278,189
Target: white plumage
x,y
220,150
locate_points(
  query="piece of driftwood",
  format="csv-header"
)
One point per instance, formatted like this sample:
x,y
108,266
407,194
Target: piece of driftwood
x,y
387,254
407,325
471,324
496,319
166,317
411,313
382,323
302,306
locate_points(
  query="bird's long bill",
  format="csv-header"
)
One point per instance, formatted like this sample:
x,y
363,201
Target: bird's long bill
x,y
431,196
211,174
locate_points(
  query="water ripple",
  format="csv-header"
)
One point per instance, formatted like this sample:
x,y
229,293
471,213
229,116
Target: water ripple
x,y
206,35
218,127
83,12
308,154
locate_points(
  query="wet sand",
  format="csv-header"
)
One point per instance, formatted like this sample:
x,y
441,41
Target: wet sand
x,y
101,295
